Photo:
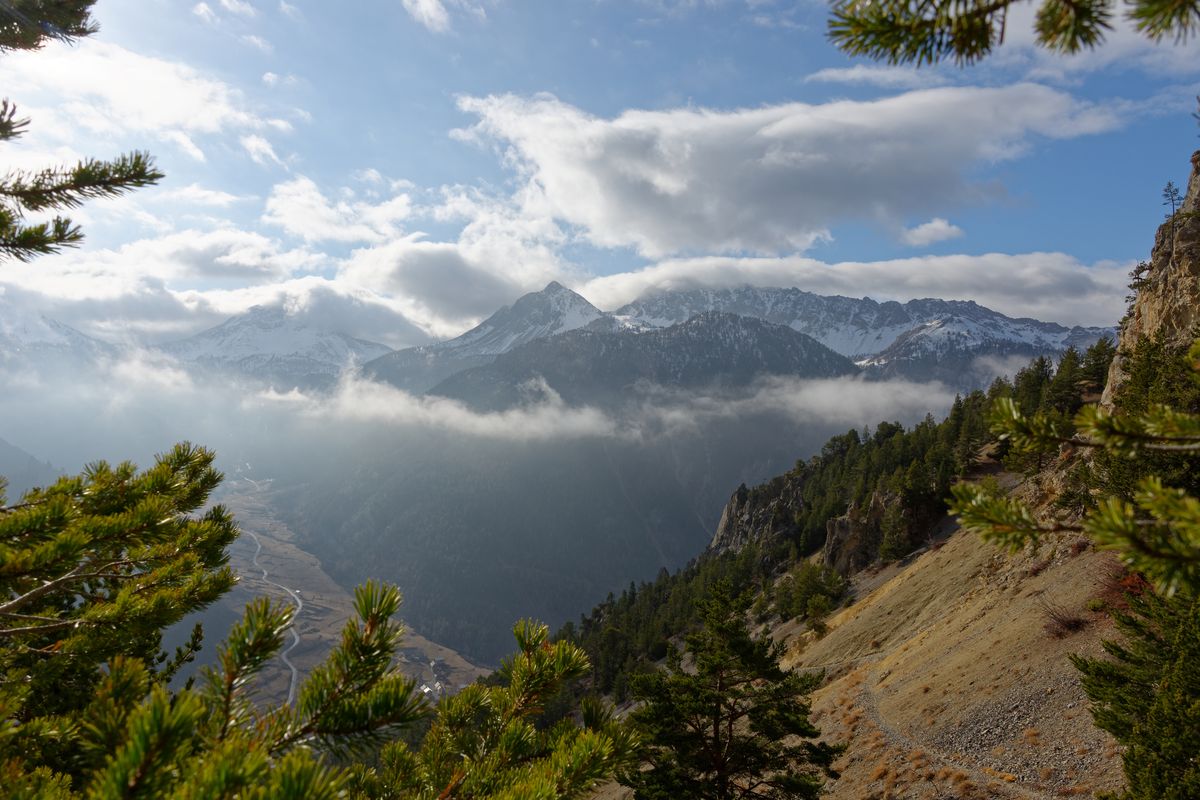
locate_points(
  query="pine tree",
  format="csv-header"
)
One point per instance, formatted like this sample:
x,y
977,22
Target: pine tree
x,y
727,728
98,565
1147,695
904,31
486,742
27,25
1096,361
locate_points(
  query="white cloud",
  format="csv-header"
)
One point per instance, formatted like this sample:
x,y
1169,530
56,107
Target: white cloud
x,y
1049,286
274,79
376,403
240,7
289,10
847,401
259,149
258,43
98,89
430,13
299,207
885,77
435,282
771,179
204,11
183,256
435,14
936,230
200,196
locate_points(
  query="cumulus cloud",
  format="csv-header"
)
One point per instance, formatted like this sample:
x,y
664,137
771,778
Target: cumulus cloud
x,y
96,88
766,180
127,292
1049,286
299,207
434,280
936,230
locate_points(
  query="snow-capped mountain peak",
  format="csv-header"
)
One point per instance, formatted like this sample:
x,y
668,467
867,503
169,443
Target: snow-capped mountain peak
x,y
276,344
555,309
537,315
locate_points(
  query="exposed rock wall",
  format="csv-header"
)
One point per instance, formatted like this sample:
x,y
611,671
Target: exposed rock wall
x,y
852,540
1170,302
753,515
769,511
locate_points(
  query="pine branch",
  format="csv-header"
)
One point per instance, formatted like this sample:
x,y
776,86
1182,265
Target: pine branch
x,y
10,126
74,576
28,24
90,179
918,31
1159,19
1068,26
25,242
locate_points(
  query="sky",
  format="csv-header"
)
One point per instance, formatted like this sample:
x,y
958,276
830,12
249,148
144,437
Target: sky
x,y
399,169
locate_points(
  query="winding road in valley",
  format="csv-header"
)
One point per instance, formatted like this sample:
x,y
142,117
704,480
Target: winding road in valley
x,y
291,697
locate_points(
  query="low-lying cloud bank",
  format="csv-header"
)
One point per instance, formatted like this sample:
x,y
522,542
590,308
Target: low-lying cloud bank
x,y
654,412
137,404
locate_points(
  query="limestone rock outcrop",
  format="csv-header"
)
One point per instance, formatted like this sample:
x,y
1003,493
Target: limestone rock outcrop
x,y
1169,303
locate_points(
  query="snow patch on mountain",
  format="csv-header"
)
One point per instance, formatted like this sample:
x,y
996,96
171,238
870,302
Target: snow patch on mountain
x,y
864,329
273,344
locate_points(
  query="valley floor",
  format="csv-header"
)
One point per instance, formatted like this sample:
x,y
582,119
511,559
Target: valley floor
x,y
326,605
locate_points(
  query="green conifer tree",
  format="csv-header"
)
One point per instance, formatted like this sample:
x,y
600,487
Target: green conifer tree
x,y
1147,695
735,726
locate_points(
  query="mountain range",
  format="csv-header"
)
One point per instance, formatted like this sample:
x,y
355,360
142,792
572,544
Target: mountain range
x,y
961,343
558,335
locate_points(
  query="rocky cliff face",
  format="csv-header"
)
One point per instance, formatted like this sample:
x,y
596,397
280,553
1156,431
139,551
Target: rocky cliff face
x,y
769,511
1169,304
754,515
852,540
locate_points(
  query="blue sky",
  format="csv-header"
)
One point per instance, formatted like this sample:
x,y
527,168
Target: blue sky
x,y
400,168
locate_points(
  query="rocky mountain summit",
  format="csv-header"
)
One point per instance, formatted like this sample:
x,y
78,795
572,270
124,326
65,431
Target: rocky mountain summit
x,y
955,341
958,342
554,310
712,350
